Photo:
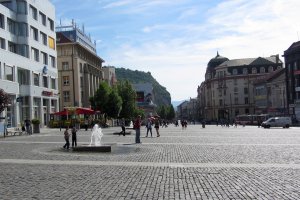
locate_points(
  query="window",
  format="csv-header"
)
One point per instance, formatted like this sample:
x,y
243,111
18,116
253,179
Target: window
x,y
23,50
8,73
11,26
66,96
246,100
295,65
44,58
65,65
45,81
262,70
66,80
81,81
245,90
43,38
52,61
234,71
235,81
254,71
220,102
35,54
43,18
7,4
51,42
270,69
53,84
245,71
236,100
23,29
34,33
81,68
51,24
236,90
12,47
2,24
36,80
2,43
33,12
21,7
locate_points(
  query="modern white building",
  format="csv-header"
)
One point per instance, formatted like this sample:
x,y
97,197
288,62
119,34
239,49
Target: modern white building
x,y
28,69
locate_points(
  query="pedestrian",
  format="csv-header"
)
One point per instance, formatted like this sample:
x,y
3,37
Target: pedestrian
x,y
67,135
86,124
74,136
123,129
28,126
156,126
149,127
137,127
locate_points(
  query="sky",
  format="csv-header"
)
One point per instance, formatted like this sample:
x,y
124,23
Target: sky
x,y
175,39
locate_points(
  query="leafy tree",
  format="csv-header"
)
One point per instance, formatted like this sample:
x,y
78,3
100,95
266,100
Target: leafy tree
x,y
4,100
101,97
171,113
114,104
128,96
162,112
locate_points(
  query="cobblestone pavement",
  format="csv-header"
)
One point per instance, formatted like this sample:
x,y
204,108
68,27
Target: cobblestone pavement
x,y
211,163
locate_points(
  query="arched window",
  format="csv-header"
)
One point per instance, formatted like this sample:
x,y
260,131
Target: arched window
x,y
262,70
245,71
254,71
234,71
270,69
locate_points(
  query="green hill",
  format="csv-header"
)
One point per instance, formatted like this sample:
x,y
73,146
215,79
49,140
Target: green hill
x,y
161,95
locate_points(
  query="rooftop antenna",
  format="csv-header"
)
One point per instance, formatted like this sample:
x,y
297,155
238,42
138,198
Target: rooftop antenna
x,y
83,28
60,21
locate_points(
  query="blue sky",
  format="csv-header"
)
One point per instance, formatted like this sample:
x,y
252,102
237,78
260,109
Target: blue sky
x,y
175,39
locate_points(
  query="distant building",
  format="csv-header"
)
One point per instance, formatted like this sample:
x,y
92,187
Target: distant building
x,y
28,71
228,87
79,67
270,94
110,75
145,97
187,110
292,67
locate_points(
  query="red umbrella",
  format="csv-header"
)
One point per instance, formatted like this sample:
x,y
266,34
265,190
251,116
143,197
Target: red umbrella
x,y
61,113
86,111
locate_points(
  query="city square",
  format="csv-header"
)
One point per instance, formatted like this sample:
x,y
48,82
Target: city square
x,y
194,163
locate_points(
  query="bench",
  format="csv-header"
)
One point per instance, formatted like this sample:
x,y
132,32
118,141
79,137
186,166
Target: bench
x,y
14,131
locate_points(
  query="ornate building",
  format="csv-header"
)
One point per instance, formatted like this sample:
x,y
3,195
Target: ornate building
x,y
79,67
228,87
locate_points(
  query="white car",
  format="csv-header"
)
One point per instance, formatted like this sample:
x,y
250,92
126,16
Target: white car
x,y
284,122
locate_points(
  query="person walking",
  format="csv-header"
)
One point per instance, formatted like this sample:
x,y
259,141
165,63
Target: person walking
x,y
86,124
28,126
74,136
149,127
123,132
66,136
156,126
137,127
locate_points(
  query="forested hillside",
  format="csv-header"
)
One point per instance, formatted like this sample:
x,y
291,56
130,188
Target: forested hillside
x,y
162,96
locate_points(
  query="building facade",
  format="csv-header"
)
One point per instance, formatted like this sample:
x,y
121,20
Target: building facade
x,y
292,67
228,87
28,71
79,67
270,94
145,98
110,75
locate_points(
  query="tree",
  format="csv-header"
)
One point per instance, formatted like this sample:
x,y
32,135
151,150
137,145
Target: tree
x,y
101,97
114,104
128,95
171,113
4,100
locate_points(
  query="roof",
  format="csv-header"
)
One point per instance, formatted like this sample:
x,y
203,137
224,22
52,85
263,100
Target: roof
x,y
270,76
251,61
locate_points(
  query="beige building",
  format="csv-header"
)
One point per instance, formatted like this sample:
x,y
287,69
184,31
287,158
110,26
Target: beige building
x,y
110,75
228,87
79,67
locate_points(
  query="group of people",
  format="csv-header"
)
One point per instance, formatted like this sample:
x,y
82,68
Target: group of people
x,y
67,137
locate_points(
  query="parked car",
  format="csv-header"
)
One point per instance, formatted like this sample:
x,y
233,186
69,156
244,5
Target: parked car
x,y
284,122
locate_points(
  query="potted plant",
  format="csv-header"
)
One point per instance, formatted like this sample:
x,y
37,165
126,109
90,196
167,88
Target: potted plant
x,y
36,125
